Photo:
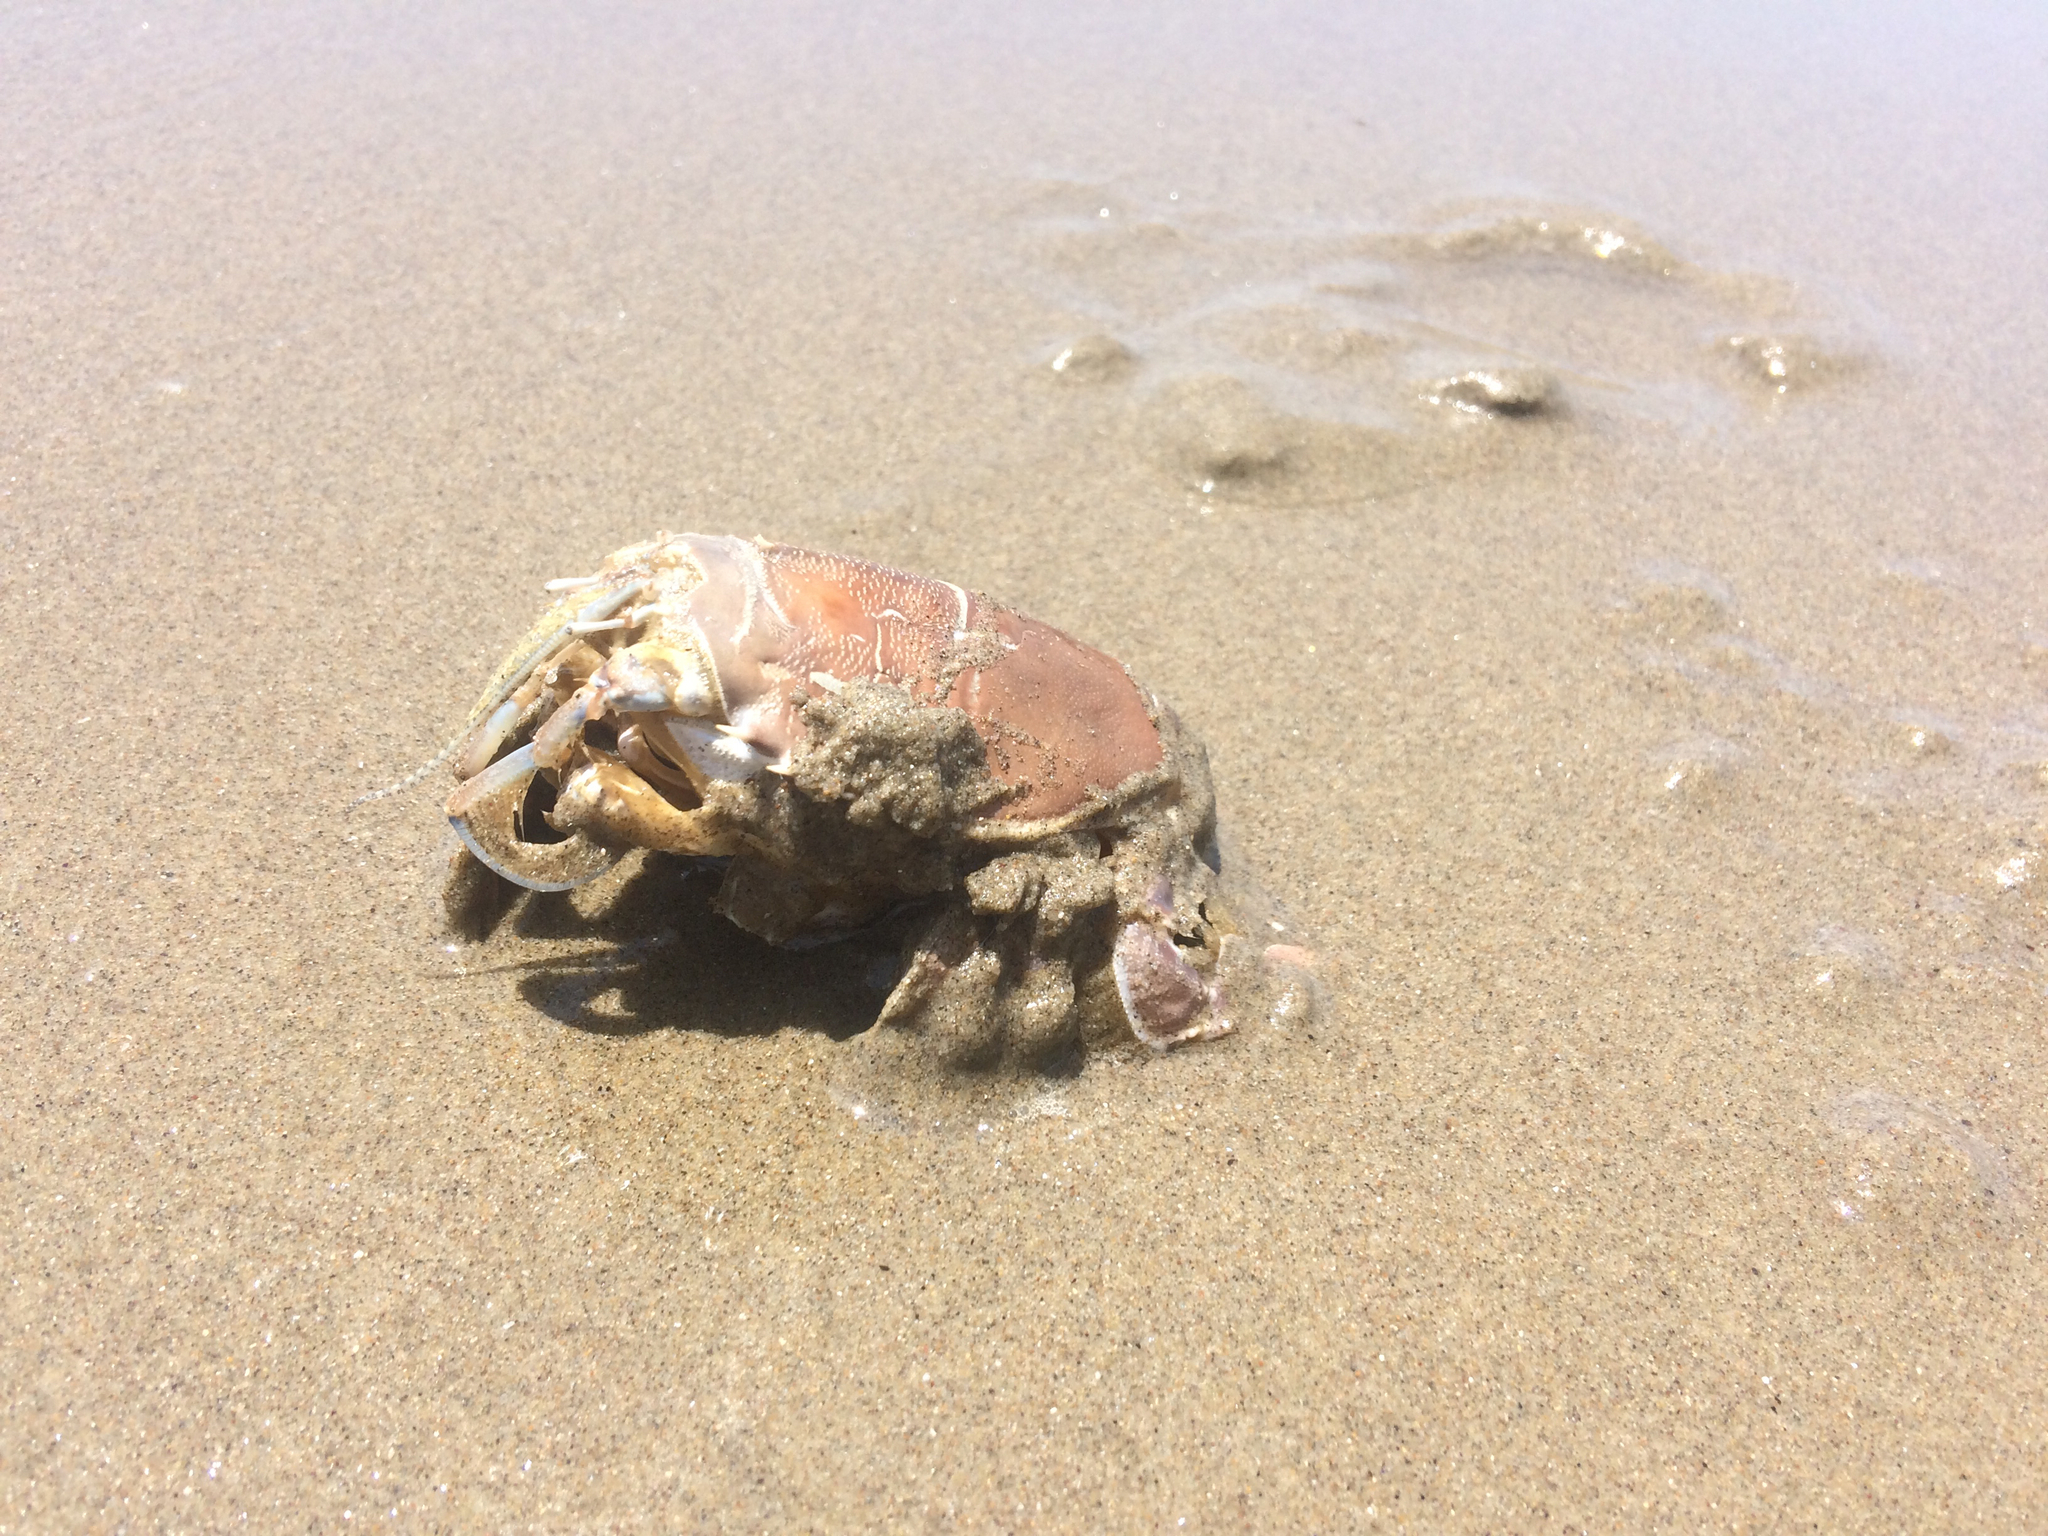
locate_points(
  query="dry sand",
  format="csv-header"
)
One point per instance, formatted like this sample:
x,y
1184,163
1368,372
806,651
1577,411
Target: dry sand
x,y
1658,766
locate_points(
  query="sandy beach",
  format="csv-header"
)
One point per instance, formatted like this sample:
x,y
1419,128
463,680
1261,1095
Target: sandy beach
x,y
1582,481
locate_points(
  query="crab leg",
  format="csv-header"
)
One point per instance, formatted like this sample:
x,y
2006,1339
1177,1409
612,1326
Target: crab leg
x,y
620,805
1164,997
643,760
485,813
483,743
713,751
556,638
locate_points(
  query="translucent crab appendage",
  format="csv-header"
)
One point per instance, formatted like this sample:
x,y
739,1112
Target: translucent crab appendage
x,y
860,742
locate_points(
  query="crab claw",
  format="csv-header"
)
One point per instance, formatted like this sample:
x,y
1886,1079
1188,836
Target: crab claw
x,y
485,812
1165,998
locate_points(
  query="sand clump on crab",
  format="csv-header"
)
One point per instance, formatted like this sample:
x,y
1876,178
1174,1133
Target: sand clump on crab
x,y
865,746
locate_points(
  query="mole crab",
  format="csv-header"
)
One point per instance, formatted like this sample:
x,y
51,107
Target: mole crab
x,y
862,744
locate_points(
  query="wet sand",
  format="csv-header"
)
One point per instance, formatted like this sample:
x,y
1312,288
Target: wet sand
x,y
1652,743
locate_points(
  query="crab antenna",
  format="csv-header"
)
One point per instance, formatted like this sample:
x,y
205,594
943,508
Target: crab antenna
x,y
415,776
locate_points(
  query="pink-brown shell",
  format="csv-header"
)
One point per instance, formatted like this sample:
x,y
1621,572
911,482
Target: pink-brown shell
x,y
1061,720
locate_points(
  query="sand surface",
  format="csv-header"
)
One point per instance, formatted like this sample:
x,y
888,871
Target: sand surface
x,y
1582,480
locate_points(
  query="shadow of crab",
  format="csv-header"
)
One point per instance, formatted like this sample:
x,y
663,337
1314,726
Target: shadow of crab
x,y
664,959
654,952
